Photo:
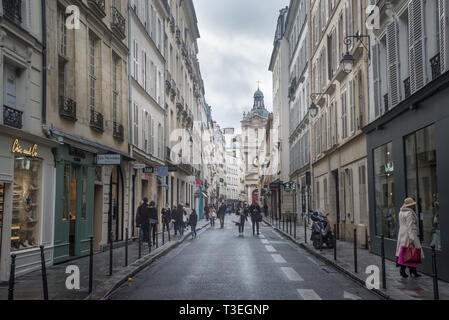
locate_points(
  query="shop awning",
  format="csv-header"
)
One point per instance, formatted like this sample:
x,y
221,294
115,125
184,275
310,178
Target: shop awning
x,y
163,183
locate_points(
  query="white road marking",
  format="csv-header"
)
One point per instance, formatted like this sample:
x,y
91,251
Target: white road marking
x,y
264,241
291,274
261,235
278,258
270,248
309,294
312,260
351,296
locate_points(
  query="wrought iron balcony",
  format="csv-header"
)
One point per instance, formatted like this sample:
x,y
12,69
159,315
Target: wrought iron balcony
x,y
118,23
178,35
118,131
96,120
67,108
407,88
12,117
98,7
184,49
167,80
180,103
12,9
435,64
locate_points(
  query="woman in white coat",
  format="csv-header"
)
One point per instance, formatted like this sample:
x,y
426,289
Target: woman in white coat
x,y
408,233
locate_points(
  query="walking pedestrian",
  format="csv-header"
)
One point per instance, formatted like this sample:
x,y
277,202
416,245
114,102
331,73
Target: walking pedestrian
x,y
154,220
166,219
408,236
179,220
256,217
244,212
173,220
222,214
213,216
193,220
142,220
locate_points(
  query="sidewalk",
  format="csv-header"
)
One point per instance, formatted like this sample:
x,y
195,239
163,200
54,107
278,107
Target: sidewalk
x,y
29,286
397,287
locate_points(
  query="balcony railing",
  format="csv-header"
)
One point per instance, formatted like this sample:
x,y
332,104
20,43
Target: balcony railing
x,y
407,88
167,80
118,23
12,117
96,120
12,9
172,24
178,35
98,6
435,64
118,131
67,108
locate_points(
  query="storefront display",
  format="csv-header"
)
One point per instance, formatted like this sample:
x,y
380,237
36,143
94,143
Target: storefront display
x,y
2,202
384,191
421,166
26,204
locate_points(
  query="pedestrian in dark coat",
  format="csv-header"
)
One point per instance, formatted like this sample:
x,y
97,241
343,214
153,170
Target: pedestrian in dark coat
x,y
143,220
256,217
154,220
166,219
179,219
193,220
222,214
244,212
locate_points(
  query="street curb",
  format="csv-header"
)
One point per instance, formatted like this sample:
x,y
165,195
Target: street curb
x,y
331,263
106,288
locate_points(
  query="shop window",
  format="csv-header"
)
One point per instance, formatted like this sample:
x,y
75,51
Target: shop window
x,y
2,201
384,191
421,172
26,204
84,196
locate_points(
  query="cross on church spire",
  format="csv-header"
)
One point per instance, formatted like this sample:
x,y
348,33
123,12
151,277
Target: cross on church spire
x,y
258,85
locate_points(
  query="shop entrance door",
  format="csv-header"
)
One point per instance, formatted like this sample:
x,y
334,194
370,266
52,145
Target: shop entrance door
x,y
74,207
2,204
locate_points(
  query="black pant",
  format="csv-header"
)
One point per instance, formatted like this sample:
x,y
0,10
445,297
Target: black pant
x,y
222,218
242,226
212,222
153,230
166,225
255,226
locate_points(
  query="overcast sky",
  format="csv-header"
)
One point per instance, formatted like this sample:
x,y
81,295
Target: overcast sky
x,y
235,50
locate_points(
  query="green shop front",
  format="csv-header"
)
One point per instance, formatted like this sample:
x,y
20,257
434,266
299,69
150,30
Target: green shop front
x,y
74,206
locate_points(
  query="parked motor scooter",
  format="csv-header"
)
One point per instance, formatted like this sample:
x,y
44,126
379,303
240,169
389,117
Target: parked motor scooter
x,y
321,231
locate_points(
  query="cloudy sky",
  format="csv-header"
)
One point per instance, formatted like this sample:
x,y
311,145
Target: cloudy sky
x,y
235,49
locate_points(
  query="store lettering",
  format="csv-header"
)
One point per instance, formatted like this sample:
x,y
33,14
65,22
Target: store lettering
x,y
31,151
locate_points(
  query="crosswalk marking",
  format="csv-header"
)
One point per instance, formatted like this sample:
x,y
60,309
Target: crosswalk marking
x,y
347,295
309,294
261,236
270,248
264,241
278,258
291,274
312,260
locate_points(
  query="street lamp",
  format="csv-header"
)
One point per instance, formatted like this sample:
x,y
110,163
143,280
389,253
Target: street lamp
x,y
348,59
313,109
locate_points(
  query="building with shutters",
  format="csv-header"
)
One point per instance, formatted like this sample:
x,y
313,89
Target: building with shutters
x,y
297,34
87,114
338,145
408,124
147,60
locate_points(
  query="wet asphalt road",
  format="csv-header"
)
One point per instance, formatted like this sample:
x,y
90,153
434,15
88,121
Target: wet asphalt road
x,y
219,265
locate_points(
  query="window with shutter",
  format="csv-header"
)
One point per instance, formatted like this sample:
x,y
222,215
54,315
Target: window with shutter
x,y
444,33
352,106
152,136
393,72
376,79
417,54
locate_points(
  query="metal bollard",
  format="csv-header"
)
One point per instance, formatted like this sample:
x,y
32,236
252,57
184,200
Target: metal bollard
x,y
382,255
335,243
91,264
44,274
157,238
110,254
355,250
163,233
140,246
436,294
126,248
305,231
12,274
296,223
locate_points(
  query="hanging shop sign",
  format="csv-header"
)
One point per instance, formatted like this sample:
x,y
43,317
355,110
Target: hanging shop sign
x,y
109,159
148,170
172,168
274,186
18,149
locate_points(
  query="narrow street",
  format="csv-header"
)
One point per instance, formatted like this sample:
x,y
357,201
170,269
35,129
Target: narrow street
x,y
219,265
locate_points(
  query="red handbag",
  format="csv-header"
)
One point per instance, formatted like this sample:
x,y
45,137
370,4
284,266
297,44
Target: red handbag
x,y
411,255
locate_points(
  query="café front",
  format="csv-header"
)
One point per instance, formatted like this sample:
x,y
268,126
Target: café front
x,y
27,188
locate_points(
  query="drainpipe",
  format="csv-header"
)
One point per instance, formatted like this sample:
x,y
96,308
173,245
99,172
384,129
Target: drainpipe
x,y
44,62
